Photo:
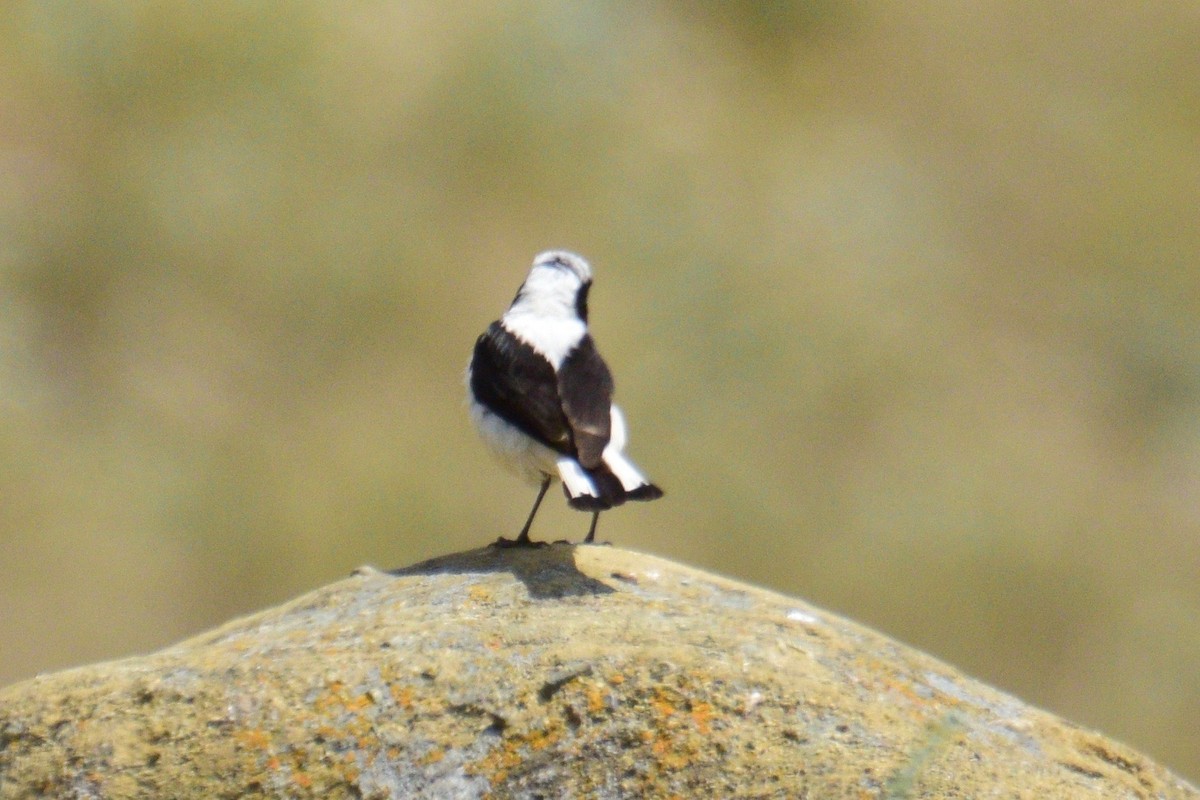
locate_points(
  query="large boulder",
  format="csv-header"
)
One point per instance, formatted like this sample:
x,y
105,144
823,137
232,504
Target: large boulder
x,y
557,672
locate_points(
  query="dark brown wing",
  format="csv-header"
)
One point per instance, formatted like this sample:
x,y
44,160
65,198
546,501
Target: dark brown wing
x,y
586,388
512,379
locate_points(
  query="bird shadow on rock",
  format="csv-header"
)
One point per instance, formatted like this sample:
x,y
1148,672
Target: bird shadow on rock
x,y
548,572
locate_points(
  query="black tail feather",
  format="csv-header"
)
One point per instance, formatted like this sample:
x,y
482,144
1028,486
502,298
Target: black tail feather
x,y
611,493
585,502
647,491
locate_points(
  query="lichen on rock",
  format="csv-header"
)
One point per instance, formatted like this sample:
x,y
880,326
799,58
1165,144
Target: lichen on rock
x,y
558,672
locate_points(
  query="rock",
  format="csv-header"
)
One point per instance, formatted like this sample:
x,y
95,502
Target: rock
x,y
558,672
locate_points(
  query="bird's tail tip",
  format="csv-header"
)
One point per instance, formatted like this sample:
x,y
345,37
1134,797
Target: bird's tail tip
x,y
612,495
586,502
647,491
603,492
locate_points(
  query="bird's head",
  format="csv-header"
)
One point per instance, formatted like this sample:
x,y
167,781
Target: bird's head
x,y
557,286
562,260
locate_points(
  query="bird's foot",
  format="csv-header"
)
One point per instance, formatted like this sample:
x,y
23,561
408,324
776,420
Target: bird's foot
x,y
520,541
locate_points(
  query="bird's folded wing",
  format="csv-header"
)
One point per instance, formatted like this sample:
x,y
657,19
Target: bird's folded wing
x,y
514,381
586,387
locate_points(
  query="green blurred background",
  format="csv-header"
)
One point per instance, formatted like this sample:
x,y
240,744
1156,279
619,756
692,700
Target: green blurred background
x,y
901,299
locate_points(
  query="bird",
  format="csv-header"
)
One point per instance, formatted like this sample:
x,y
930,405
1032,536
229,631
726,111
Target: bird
x,y
540,396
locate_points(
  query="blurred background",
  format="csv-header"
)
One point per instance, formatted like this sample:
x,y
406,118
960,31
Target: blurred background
x,y
901,299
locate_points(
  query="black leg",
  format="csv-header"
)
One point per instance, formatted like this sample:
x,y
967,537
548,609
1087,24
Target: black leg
x,y
523,539
592,530
523,536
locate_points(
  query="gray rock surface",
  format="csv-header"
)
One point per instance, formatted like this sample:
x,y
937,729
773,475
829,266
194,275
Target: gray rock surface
x,y
559,672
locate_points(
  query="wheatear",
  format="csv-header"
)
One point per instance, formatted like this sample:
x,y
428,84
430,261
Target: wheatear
x,y
541,395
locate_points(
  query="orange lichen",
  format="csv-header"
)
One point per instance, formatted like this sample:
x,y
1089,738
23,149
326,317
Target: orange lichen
x,y
358,702
432,757
905,690
701,715
497,763
402,695
672,757
258,739
595,700
662,704
511,752
541,739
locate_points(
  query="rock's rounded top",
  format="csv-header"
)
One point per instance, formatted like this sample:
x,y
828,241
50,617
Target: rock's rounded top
x,y
559,671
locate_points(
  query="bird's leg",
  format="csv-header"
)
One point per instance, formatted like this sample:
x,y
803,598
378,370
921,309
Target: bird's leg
x,y
523,536
523,539
592,530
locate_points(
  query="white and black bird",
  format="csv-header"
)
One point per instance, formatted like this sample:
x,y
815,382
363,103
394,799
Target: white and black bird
x,y
541,395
